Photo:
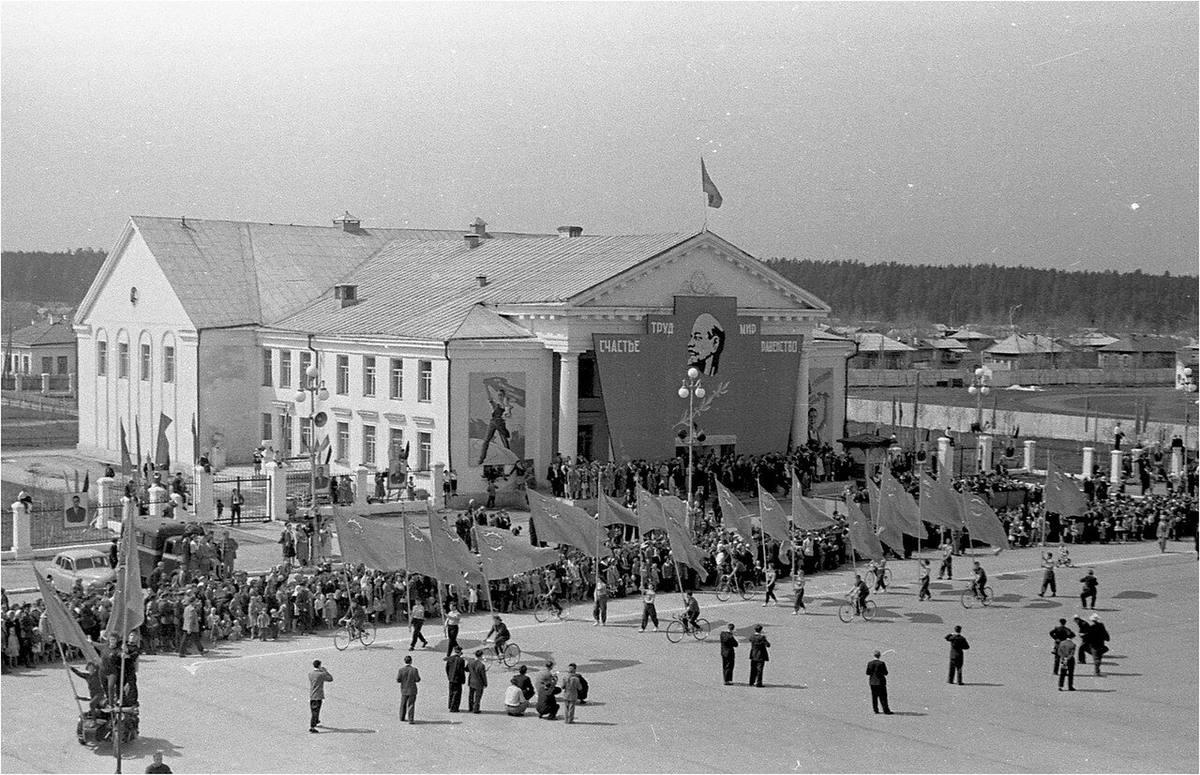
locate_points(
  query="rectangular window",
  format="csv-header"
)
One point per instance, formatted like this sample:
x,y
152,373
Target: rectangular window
x,y
268,367
343,441
47,363
424,451
397,380
101,359
285,368
587,378
306,433
168,364
368,375
395,444
145,371
285,433
368,445
424,381
305,362
268,426
343,375
63,367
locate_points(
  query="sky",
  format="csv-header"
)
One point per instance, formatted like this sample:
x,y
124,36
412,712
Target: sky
x,y
1035,133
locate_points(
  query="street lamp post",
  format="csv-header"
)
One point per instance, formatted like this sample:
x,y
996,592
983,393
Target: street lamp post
x,y
313,389
980,387
691,389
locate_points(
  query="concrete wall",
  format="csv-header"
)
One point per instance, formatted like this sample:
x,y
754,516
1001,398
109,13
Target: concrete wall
x,y
959,419
1001,378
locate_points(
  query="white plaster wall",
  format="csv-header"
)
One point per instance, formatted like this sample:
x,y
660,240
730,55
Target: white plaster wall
x,y
229,376
107,401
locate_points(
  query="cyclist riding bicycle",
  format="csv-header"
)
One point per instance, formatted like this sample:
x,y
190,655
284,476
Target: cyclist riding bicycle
x,y
552,596
980,580
500,629
356,620
691,611
859,594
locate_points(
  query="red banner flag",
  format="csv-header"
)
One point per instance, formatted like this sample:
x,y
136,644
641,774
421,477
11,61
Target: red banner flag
x,y
862,537
675,515
710,188
734,514
613,513
129,601
774,521
562,523
65,628
504,555
650,512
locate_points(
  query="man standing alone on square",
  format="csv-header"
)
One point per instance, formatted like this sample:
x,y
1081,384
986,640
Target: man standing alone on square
x,y
317,678
758,655
877,677
958,644
728,644
408,678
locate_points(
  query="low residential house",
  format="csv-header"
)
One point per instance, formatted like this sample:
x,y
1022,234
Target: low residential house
x,y
940,353
45,347
1027,351
1187,370
1087,344
975,341
877,351
1139,352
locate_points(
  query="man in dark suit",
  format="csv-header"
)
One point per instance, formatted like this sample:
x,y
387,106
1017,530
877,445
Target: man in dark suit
x,y
877,677
408,678
1092,637
758,655
728,644
1066,665
476,681
76,513
958,644
1059,634
456,674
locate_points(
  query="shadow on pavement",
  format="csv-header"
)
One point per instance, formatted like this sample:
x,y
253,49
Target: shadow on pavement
x,y
348,730
917,618
979,683
1134,594
907,713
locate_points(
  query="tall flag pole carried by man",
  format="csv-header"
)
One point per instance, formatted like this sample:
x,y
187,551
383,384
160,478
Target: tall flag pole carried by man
x,y
734,514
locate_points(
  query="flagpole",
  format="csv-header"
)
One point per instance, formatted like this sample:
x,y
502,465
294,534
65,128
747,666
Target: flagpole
x,y
487,583
70,676
438,580
407,571
119,718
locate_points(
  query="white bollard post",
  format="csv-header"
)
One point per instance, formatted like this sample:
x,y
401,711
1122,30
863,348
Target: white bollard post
x,y
276,492
439,477
108,503
1089,461
204,506
1114,469
22,526
363,486
984,454
1176,461
1030,454
158,500
945,456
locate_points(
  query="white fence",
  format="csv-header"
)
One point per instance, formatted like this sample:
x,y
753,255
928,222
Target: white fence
x,y
931,377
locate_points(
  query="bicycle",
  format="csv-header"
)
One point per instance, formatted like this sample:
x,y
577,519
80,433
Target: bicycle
x,y
727,584
677,628
544,611
509,656
349,631
969,597
847,612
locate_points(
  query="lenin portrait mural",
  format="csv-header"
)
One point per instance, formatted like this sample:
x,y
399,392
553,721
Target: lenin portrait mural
x,y
496,429
749,380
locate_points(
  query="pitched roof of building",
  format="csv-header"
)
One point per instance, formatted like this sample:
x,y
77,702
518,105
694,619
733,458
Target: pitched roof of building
x,y
237,273
965,334
1090,339
1026,344
424,289
953,345
869,342
1139,343
43,332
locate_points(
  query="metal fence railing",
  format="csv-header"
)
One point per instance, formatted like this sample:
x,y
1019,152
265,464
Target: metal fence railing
x,y
50,527
250,490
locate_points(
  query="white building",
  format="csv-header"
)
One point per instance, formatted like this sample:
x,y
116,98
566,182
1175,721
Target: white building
x,y
419,336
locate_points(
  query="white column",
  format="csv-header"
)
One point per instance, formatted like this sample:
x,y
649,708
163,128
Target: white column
x,y
439,477
362,485
800,409
158,500
985,453
568,405
108,502
1114,468
945,456
45,384
276,492
1089,460
22,546
1030,454
1176,461
204,509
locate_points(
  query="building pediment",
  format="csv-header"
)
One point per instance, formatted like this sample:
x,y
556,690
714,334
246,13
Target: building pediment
x,y
705,265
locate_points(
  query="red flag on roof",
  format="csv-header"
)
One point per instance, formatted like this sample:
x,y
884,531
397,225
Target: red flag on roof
x,y
710,188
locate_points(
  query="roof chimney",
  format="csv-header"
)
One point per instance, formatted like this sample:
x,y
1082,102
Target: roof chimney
x,y
482,280
479,227
348,222
473,240
570,231
347,293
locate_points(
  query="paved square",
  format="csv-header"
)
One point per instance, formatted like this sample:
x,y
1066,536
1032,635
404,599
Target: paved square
x,y
658,707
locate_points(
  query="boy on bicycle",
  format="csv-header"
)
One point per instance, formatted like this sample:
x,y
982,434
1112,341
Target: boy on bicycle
x,y
691,611
859,594
357,618
980,580
500,630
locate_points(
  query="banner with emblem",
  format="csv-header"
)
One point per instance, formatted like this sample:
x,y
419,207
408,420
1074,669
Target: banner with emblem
x,y
363,542
454,563
561,523
504,555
